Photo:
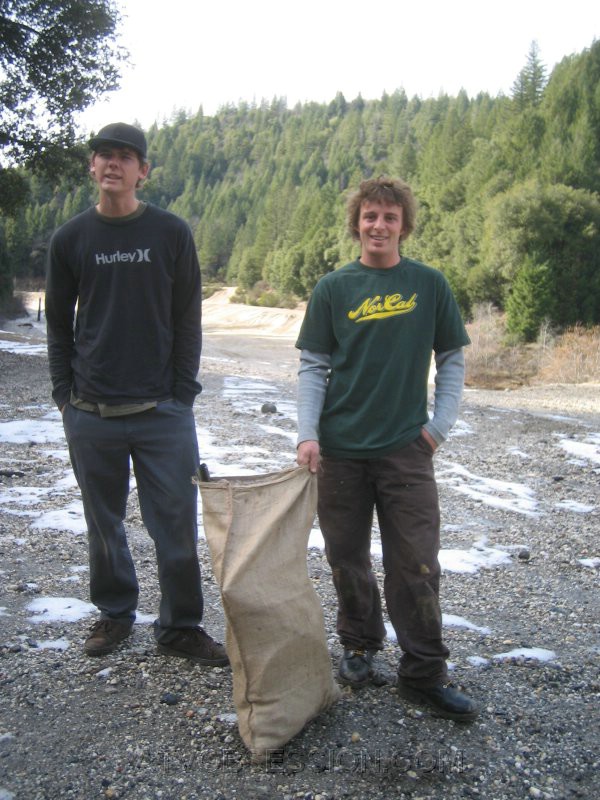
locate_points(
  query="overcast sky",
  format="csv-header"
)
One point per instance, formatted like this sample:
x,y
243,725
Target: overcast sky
x,y
190,53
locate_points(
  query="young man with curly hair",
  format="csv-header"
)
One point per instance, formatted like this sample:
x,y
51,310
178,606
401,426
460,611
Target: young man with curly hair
x,y
366,348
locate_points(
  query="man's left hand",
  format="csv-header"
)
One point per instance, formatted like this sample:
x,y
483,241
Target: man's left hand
x,y
429,439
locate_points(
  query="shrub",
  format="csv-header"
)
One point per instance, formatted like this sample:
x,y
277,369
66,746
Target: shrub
x,y
573,357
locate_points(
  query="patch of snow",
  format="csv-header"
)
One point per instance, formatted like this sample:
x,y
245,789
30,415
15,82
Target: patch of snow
x,y
533,653
59,609
53,644
452,621
477,661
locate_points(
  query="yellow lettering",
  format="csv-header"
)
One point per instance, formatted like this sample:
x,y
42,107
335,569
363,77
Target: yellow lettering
x,y
379,308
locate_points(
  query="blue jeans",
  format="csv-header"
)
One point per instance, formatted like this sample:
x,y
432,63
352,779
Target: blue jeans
x,y
163,449
402,488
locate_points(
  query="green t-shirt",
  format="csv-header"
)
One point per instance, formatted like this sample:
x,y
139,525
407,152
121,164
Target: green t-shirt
x,y
379,327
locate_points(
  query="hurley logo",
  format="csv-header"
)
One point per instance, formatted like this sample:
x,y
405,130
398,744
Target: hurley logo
x,y
379,307
134,257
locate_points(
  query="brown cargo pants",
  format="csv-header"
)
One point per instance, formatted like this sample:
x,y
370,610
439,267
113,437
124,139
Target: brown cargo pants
x,y
402,488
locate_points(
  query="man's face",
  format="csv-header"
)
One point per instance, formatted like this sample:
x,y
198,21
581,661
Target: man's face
x,y
379,229
117,170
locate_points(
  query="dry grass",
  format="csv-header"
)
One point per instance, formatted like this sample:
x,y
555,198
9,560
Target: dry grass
x,y
493,362
573,357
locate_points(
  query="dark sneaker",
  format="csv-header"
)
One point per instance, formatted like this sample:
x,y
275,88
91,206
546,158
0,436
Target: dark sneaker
x,y
356,667
196,645
105,636
444,699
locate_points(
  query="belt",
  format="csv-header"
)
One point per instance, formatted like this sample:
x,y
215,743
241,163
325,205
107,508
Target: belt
x,y
104,410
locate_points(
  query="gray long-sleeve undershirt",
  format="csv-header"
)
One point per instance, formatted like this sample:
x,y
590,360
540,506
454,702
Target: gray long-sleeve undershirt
x,y
312,387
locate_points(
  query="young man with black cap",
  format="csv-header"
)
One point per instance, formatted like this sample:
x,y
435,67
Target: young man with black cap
x,y
123,310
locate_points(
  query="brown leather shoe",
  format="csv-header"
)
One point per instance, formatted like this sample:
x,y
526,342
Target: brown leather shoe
x,y
105,636
197,646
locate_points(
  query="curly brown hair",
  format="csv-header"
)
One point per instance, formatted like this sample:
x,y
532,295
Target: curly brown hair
x,y
384,190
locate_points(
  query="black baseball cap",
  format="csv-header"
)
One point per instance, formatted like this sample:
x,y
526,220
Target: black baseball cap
x,y
119,134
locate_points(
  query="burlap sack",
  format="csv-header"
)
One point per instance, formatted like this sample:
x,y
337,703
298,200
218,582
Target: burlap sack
x,y
257,529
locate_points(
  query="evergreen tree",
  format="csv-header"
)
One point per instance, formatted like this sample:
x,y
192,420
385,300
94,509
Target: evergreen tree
x,y
531,299
528,88
559,227
571,107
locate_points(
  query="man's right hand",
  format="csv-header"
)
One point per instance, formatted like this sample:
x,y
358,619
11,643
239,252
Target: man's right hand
x,y
308,454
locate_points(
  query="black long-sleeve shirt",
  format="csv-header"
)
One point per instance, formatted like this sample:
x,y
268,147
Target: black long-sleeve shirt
x,y
123,309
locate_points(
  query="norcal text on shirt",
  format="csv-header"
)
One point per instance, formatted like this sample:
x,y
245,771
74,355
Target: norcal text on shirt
x,y
379,307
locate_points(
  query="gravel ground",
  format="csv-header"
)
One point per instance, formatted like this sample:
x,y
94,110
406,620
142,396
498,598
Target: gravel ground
x,y
519,484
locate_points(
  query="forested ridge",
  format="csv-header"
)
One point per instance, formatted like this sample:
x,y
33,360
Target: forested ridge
x,y
508,191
